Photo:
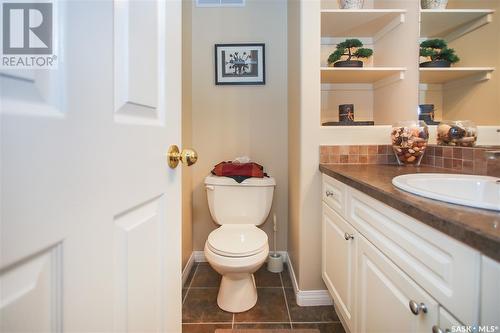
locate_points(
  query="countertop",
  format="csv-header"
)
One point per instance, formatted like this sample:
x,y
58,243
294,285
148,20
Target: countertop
x,y
478,228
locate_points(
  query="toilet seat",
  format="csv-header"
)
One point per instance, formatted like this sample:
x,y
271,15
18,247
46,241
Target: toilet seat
x,y
237,240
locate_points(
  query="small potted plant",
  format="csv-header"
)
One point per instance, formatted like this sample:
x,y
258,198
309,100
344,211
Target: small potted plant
x,y
350,48
351,4
438,52
433,4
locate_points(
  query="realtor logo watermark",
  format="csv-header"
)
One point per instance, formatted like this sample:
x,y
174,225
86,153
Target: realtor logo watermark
x,y
28,36
474,329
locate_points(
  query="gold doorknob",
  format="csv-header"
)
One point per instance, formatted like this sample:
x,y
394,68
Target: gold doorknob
x,y
186,156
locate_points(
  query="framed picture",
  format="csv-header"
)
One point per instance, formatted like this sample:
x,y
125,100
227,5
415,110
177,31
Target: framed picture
x,y
240,64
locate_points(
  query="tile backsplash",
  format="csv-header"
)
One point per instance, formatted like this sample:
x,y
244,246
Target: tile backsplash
x,y
461,159
357,154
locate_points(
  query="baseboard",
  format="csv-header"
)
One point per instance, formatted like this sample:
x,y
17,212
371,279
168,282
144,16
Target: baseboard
x,y
187,269
308,297
304,297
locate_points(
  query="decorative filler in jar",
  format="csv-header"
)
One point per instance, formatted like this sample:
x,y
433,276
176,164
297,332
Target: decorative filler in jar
x,y
351,4
433,4
409,141
350,48
457,133
346,113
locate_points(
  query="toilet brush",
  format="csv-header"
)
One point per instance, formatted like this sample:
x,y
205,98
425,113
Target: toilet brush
x,y
275,261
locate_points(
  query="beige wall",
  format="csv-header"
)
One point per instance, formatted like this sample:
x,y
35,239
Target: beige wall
x,y
230,121
187,224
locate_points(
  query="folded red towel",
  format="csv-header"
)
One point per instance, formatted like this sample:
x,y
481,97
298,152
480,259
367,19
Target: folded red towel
x,y
228,169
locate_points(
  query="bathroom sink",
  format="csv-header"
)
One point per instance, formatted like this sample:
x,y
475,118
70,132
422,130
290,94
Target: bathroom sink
x,y
467,190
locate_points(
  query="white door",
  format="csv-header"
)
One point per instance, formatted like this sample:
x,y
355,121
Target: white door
x,y
339,262
90,211
384,293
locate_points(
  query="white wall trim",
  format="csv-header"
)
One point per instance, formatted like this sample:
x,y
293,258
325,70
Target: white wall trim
x,y
308,297
304,297
187,269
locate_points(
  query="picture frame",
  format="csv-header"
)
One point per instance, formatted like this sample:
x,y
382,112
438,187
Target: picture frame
x,y
240,64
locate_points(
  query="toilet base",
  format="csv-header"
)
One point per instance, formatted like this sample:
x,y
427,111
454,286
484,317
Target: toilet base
x,y
237,292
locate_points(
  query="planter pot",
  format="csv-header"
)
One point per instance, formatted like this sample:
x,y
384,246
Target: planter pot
x,y
433,4
351,4
436,63
348,63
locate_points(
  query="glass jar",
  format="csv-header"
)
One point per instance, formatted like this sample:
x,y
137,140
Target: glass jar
x,y
461,133
409,141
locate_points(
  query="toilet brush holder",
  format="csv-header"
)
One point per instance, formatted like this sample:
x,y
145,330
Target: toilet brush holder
x,y
275,263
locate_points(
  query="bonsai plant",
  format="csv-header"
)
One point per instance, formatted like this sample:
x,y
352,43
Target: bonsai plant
x,y
438,52
433,4
351,4
350,48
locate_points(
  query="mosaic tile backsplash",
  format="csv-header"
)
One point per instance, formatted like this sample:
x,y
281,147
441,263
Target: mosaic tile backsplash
x,y
461,159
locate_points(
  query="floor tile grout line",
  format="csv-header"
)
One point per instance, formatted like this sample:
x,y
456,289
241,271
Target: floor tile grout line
x,y
209,323
261,322
286,302
315,322
190,283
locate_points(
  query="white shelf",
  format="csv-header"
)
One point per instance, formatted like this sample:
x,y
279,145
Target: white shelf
x,y
451,24
454,74
377,75
360,22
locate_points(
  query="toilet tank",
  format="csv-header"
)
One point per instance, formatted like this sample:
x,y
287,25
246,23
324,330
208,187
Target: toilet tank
x,y
248,202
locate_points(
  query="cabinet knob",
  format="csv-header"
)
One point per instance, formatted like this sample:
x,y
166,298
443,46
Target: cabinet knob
x,y
436,329
329,194
417,308
348,236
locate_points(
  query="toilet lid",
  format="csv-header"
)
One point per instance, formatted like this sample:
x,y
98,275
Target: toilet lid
x,y
237,240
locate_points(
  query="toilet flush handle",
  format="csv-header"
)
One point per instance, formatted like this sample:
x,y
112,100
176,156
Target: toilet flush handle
x,y
210,187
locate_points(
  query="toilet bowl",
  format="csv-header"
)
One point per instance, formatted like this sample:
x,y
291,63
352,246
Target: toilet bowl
x,y
237,263
238,247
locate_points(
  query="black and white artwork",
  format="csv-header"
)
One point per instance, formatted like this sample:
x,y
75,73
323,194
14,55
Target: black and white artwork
x,y
240,64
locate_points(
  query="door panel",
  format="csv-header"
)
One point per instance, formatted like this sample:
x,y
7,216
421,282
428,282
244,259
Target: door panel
x,y
139,55
32,287
139,234
384,293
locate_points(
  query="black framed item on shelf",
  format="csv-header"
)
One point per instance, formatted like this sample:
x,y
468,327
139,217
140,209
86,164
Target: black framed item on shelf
x,y
240,64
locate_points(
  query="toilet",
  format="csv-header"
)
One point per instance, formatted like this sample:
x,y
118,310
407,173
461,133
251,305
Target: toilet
x,y
238,247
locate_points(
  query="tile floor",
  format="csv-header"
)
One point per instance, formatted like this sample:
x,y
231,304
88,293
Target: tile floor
x,y
276,307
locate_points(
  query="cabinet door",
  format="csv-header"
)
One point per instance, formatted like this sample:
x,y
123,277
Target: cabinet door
x,y
447,323
338,262
383,295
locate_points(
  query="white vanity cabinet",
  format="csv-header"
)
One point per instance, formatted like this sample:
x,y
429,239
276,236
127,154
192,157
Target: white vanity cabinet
x,y
388,272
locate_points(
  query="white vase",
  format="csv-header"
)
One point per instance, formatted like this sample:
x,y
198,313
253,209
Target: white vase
x,y
351,4
433,4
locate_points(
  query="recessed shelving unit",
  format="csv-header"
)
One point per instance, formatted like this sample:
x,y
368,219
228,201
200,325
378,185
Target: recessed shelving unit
x,y
361,74
451,24
447,75
360,22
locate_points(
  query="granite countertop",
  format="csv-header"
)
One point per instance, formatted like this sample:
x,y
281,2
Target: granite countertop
x,y
478,228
